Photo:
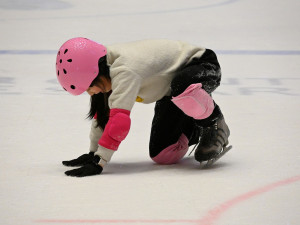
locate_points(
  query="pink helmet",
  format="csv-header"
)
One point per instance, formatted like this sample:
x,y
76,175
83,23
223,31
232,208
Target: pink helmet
x,y
77,64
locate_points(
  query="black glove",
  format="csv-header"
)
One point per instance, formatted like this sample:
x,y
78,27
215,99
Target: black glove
x,y
81,160
90,169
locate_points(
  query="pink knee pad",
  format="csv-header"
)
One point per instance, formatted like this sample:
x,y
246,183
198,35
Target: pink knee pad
x,y
195,102
174,153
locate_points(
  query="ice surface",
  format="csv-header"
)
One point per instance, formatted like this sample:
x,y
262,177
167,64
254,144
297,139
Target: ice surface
x,y
258,48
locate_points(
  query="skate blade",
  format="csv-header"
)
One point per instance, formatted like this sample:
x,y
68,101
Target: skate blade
x,y
217,157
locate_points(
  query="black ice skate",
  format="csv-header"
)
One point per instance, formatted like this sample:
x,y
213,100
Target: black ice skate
x,y
213,142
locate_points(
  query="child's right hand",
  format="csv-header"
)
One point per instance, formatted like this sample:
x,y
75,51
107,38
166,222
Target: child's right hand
x,y
81,160
90,169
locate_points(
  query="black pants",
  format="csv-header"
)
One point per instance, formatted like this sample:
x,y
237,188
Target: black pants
x,y
169,122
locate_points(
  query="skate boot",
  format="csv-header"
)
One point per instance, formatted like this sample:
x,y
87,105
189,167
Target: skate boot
x,y
213,142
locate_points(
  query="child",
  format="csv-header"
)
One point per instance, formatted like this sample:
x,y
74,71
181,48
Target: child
x,y
178,76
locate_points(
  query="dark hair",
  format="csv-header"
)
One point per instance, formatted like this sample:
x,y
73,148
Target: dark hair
x,y
99,102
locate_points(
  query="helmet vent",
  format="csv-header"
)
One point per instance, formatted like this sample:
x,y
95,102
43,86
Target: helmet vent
x,y
73,87
57,72
69,60
65,72
65,51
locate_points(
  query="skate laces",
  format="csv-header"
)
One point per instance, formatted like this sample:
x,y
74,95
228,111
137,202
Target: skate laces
x,y
208,137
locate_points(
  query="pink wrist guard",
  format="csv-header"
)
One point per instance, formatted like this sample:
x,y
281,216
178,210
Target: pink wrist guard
x,y
116,129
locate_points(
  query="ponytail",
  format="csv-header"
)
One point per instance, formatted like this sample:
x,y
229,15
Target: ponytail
x,y
99,107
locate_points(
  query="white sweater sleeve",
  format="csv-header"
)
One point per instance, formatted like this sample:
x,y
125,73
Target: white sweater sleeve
x,y
95,135
125,86
104,153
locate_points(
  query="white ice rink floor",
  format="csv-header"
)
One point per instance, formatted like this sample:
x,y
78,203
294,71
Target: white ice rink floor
x,y
257,182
